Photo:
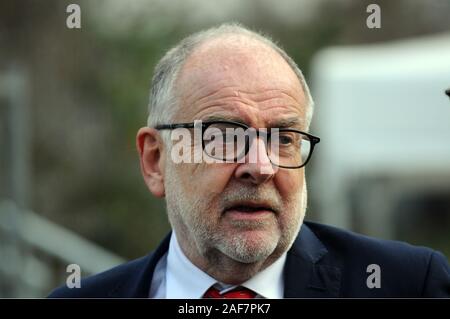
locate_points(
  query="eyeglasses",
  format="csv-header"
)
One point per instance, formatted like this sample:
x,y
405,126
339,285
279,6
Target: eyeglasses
x,y
229,141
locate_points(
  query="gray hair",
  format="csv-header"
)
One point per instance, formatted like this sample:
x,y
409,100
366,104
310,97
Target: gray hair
x,y
162,96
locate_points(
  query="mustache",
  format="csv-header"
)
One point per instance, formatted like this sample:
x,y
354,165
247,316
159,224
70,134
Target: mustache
x,y
268,196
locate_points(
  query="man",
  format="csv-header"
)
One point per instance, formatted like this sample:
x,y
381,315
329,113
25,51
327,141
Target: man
x,y
236,204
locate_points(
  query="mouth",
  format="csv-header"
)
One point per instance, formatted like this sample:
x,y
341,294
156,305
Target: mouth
x,y
249,210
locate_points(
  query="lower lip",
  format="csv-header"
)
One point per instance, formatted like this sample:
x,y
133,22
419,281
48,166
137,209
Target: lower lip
x,y
257,214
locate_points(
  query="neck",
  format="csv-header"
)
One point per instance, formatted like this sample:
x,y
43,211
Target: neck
x,y
230,271
223,268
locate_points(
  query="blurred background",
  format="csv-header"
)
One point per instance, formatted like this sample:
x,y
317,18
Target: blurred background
x,y
72,100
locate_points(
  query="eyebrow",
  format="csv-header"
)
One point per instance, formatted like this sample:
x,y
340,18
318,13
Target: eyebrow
x,y
291,122
224,118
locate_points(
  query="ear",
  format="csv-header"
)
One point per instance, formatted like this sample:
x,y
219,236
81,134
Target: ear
x,y
151,154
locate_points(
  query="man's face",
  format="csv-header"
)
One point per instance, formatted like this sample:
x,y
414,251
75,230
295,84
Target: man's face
x,y
246,211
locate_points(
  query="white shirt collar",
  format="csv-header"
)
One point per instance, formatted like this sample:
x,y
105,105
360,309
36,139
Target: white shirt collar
x,y
185,280
269,283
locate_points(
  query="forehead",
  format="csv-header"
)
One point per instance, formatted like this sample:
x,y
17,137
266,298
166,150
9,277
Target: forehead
x,y
237,74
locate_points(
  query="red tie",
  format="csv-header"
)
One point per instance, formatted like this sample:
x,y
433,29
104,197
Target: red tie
x,y
239,292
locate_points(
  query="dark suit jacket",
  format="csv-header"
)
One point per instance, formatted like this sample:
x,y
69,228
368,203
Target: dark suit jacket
x,y
323,262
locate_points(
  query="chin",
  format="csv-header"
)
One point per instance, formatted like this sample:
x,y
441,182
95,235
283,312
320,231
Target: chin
x,y
250,246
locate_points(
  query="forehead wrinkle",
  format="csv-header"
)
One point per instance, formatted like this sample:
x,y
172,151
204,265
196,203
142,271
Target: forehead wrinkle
x,y
208,90
219,96
231,96
232,91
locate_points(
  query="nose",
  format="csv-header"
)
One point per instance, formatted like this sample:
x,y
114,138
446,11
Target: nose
x,y
257,168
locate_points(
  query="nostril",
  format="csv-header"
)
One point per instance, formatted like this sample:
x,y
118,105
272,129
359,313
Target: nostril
x,y
246,176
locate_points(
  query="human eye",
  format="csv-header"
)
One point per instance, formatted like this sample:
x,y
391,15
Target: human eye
x,y
285,139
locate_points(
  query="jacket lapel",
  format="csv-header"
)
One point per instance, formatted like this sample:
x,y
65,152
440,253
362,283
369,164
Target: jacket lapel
x,y
138,284
308,271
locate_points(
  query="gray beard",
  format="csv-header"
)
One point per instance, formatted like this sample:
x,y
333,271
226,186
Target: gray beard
x,y
188,224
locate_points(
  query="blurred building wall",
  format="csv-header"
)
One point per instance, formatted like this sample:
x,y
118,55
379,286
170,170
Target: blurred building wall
x,y
384,160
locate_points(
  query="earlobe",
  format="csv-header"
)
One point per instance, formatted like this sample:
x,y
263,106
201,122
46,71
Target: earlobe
x,y
150,149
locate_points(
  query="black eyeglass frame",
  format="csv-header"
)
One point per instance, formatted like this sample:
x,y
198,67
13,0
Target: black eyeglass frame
x,y
205,125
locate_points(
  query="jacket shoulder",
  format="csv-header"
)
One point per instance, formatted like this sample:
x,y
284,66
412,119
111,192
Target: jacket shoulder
x,y
104,284
406,270
348,241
